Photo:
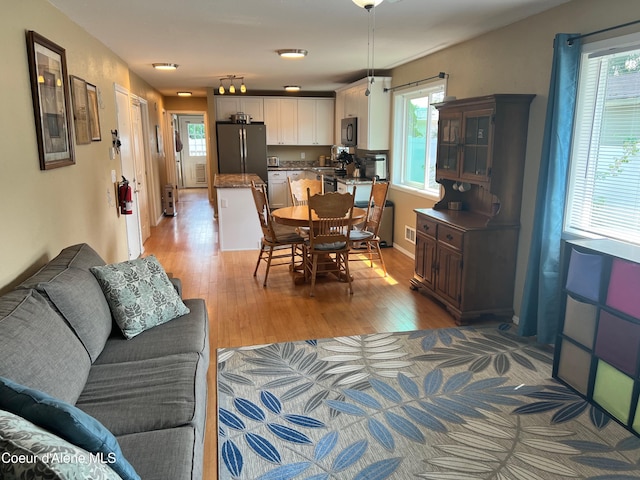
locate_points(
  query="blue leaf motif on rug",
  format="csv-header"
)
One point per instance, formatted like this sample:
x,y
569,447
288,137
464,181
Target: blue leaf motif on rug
x,y
447,404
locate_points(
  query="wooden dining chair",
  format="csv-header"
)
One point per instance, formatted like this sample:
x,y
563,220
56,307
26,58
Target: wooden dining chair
x,y
367,232
330,224
298,189
275,237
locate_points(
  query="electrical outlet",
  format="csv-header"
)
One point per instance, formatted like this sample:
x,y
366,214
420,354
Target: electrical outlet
x,y
301,155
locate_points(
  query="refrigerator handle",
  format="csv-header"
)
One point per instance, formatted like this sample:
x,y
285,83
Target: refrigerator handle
x,y
246,152
241,142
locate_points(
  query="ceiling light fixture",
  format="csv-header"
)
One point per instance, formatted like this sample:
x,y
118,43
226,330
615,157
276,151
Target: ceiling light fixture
x,y
370,6
292,53
292,88
165,66
232,87
184,94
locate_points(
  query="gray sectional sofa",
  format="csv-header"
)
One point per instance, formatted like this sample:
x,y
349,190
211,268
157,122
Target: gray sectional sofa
x,y
58,336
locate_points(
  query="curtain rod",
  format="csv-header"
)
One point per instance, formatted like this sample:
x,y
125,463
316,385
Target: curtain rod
x,y
570,40
417,82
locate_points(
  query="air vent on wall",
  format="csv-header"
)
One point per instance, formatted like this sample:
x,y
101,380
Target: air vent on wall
x,y
410,234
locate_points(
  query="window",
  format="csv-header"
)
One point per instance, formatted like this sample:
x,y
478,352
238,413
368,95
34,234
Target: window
x,y
603,198
416,137
197,141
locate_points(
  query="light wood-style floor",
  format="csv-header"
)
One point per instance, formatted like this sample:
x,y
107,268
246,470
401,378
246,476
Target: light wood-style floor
x,y
242,312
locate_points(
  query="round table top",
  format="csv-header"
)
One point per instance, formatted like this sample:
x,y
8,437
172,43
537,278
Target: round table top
x,y
299,216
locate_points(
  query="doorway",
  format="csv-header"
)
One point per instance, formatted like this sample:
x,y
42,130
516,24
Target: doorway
x,y
191,151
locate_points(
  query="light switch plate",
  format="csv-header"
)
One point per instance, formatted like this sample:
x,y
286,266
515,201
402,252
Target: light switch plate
x,y
113,176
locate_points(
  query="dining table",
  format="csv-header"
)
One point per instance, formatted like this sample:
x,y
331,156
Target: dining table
x,y
298,216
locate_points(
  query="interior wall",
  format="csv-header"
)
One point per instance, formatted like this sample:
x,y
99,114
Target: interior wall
x,y
46,211
515,59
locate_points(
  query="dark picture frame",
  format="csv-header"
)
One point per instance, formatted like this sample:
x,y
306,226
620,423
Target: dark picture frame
x,y
94,116
80,110
50,95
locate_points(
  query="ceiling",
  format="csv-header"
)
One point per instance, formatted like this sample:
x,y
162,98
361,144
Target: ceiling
x,y
210,39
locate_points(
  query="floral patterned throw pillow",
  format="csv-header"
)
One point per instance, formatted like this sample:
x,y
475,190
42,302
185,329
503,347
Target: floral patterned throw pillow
x,y
140,294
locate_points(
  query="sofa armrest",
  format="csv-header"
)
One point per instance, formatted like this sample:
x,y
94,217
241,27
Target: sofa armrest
x,y
177,284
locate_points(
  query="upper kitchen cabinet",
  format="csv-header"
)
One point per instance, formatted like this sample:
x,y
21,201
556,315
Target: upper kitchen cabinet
x,y
281,119
481,149
229,105
373,111
315,121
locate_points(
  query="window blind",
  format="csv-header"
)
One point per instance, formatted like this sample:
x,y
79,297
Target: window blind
x,y
604,185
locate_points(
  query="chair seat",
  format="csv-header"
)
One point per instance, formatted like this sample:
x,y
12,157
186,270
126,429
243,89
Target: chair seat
x,y
285,234
360,235
328,246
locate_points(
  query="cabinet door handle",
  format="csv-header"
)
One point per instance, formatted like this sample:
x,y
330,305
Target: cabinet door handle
x,y
425,227
449,237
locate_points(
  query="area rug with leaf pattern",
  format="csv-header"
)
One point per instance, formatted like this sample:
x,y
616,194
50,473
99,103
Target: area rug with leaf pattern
x,y
458,403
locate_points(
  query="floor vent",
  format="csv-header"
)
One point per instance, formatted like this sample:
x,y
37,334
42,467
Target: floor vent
x,y
201,175
410,234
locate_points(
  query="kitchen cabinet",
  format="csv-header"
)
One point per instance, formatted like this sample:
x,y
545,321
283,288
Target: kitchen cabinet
x,y
281,119
278,189
466,258
373,111
227,105
315,121
597,349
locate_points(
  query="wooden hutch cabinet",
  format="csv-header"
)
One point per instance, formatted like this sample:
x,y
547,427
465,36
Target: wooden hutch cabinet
x,y
466,257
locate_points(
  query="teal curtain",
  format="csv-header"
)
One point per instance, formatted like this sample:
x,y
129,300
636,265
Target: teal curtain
x,y
540,310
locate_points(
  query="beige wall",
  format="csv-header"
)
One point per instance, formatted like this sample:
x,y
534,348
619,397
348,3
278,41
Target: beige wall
x,y
515,59
44,211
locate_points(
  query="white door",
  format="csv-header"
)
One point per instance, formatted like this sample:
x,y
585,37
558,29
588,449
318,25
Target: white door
x,y
134,239
140,178
193,156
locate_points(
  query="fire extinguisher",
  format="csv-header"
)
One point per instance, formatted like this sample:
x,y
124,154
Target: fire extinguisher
x,y
125,197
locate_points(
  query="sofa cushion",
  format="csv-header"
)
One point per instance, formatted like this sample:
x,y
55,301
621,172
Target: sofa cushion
x,y
67,283
173,453
38,349
188,333
139,294
65,421
145,395
45,455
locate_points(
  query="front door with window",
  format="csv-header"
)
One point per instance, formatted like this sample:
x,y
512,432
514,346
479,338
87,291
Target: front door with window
x,y
193,156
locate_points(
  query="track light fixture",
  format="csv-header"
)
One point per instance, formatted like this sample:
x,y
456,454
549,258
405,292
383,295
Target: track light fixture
x,y
232,87
370,6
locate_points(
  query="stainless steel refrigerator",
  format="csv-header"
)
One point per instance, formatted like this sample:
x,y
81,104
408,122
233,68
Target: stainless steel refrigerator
x,y
242,148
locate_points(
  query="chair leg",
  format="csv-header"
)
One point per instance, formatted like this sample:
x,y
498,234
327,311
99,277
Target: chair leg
x,y
314,271
266,274
255,272
345,259
370,254
384,267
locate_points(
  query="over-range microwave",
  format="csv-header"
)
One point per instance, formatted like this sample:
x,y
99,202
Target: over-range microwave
x,y
349,132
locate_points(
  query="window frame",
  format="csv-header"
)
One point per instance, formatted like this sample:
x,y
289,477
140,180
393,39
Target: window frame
x,y
400,99
571,226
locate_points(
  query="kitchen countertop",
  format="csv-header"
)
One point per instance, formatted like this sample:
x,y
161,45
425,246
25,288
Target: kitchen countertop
x,y
236,180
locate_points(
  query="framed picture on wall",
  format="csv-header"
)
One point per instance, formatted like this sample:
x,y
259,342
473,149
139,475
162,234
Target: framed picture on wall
x,y
50,95
94,117
80,110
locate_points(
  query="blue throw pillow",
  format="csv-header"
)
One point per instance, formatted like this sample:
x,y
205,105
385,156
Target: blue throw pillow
x,y
67,422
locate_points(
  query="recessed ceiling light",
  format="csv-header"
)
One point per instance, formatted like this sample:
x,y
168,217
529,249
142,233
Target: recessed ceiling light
x,y
292,88
292,53
184,94
165,66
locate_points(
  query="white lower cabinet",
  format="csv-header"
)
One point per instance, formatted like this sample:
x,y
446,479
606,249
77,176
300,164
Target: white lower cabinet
x,y
363,190
278,189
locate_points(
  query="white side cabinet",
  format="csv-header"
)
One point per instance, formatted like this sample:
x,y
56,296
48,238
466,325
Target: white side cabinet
x,y
363,190
278,189
373,111
281,119
229,105
315,121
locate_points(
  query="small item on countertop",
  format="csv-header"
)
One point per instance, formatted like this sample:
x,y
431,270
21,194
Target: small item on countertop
x,y
454,205
356,173
322,160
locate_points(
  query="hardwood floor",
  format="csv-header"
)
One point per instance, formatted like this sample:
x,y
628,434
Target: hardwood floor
x,y
243,312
